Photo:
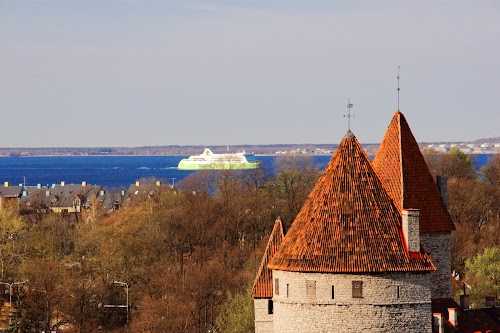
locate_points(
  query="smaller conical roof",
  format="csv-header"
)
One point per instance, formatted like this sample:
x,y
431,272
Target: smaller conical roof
x,y
348,224
402,168
263,284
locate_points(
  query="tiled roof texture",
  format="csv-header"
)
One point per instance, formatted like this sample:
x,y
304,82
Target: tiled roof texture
x,y
65,194
402,168
348,224
11,191
469,321
262,286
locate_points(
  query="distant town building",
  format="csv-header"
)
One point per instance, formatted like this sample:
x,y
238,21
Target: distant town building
x,y
60,198
9,193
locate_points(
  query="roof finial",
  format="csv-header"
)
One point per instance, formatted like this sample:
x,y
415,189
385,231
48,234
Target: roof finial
x,y
349,115
399,67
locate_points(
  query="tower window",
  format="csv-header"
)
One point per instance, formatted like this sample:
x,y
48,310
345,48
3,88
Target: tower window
x,y
398,291
357,289
287,290
270,306
311,288
333,292
276,286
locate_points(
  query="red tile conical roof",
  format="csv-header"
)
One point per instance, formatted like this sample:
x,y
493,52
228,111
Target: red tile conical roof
x,y
405,174
263,284
348,224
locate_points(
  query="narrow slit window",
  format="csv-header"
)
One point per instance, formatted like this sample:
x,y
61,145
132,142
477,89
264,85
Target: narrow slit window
x,y
398,291
287,290
333,292
270,306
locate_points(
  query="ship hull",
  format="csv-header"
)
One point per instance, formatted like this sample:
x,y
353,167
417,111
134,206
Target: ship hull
x,y
210,161
217,166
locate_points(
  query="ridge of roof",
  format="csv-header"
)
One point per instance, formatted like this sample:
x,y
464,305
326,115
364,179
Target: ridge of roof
x,y
348,224
401,166
263,284
470,320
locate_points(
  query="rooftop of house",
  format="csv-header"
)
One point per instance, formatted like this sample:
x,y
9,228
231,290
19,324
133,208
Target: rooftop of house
x,y
263,284
349,223
58,195
10,191
402,168
483,320
146,188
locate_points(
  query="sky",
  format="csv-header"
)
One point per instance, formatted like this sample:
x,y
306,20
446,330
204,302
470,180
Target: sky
x,y
130,73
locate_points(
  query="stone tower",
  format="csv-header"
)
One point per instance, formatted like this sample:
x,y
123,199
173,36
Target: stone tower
x,y
351,261
403,170
262,290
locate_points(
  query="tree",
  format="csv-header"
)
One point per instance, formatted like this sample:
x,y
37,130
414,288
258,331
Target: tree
x,y
457,164
12,249
296,176
237,314
491,173
53,237
85,292
483,274
41,306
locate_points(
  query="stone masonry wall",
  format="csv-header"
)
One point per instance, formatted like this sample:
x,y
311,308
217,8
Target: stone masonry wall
x,y
411,229
263,320
308,305
438,245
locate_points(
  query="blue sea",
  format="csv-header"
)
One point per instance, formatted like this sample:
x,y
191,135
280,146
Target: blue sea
x,y
117,171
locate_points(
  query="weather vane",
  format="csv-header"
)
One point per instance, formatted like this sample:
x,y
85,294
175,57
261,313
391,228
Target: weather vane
x,y
349,115
399,67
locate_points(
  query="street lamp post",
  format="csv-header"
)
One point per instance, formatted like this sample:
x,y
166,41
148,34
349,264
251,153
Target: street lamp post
x,y
10,295
126,291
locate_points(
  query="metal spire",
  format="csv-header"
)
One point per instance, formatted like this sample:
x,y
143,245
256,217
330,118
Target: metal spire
x,y
349,115
399,67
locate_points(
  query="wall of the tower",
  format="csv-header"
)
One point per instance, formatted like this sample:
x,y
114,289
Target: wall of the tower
x,y
438,246
315,302
263,317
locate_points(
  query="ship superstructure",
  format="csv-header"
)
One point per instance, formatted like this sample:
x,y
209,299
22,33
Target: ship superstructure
x,y
210,160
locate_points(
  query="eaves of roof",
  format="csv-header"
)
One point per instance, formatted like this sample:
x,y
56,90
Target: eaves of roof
x,y
348,224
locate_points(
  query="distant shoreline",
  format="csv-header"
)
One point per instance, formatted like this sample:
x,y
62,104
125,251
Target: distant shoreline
x,y
486,146
486,152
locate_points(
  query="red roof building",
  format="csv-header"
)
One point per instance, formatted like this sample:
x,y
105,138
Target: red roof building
x,y
402,168
348,224
358,255
263,284
405,174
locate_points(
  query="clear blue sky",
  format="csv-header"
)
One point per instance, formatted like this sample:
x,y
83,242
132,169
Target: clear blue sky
x,y
83,73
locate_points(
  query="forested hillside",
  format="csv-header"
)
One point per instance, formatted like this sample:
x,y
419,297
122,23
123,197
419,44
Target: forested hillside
x,y
474,205
187,256
182,252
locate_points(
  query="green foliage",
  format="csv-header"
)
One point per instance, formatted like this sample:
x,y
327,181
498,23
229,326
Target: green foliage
x,y
483,274
12,249
237,314
454,164
473,203
464,159
183,250
458,165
